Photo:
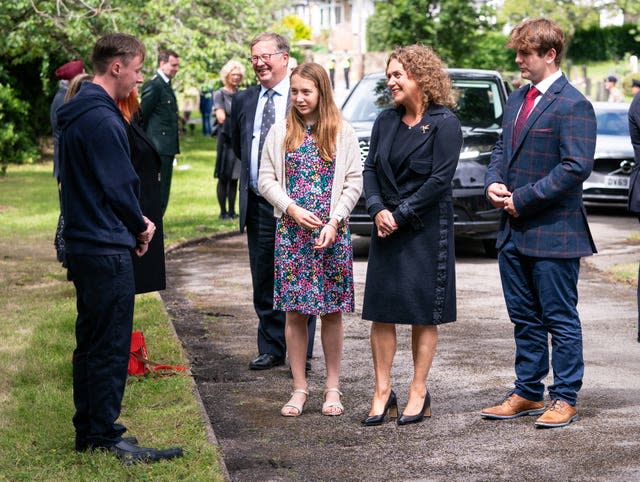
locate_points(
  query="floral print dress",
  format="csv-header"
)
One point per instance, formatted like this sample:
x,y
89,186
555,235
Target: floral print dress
x,y
309,281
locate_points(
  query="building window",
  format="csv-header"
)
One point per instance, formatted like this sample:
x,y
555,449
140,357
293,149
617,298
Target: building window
x,y
331,15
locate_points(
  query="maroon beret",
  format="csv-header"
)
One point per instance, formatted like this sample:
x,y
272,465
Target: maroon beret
x,y
69,70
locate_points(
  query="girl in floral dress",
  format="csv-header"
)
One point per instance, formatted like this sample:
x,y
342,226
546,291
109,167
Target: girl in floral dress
x,y
311,173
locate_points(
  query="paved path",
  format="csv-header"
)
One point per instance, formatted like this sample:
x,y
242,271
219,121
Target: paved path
x,y
209,302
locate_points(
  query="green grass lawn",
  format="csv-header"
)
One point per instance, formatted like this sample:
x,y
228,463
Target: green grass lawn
x,y
37,339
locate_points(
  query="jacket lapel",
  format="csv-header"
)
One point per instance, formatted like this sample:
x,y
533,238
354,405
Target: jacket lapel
x,y
250,114
168,87
388,132
545,101
510,116
427,126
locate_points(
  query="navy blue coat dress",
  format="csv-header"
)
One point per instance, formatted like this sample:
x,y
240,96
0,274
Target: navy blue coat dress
x,y
411,273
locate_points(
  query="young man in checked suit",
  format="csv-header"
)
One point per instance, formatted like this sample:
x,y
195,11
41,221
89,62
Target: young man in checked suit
x,y
536,173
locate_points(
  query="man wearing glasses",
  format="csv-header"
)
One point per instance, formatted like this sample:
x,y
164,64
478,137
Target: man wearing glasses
x,y
253,112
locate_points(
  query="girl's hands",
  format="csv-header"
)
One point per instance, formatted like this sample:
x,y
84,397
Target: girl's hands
x,y
304,218
327,237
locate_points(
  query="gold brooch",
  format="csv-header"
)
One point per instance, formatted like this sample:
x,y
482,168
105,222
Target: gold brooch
x,y
425,128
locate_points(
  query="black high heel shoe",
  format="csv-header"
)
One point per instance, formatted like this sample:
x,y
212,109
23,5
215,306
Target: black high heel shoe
x,y
391,407
425,412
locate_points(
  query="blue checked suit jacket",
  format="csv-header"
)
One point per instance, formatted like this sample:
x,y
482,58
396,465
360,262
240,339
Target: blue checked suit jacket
x,y
544,169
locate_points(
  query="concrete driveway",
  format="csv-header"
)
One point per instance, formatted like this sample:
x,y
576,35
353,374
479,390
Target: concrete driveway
x,y
209,302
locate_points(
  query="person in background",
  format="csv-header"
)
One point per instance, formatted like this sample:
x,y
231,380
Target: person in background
x,y
407,183
615,94
71,89
64,74
634,180
310,172
331,67
206,107
104,227
149,270
160,118
253,112
227,168
190,102
345,62
535,175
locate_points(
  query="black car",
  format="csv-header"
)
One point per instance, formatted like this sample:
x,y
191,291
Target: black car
x,y
481,96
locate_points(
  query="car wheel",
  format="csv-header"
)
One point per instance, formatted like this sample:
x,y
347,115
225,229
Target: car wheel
x,y
489,246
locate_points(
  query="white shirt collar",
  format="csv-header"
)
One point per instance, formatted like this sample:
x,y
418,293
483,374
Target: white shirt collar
x,y
281,88
544,84
164,77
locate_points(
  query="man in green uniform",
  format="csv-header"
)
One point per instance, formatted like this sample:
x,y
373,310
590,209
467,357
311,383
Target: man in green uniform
x,y
160,117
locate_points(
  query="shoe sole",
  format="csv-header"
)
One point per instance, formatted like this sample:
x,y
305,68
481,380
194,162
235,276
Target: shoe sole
x,y
254,367
575,418
524,413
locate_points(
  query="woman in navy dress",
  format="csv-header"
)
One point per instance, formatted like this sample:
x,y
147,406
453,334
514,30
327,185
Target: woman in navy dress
x,y
413,156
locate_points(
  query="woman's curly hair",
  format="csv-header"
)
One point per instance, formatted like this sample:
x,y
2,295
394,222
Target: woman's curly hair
x,y
425,67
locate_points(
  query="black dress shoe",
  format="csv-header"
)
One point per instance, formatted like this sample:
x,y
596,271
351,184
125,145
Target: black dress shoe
x,y
130,453
391,407
266,361
82,446
425,412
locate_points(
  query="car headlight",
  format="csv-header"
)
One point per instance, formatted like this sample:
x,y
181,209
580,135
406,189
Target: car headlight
x,y
465,155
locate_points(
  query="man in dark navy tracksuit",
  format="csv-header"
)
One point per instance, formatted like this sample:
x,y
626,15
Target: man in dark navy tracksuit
x,y
103,226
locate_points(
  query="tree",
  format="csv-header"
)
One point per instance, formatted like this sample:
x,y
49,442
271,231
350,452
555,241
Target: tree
x,y
401,22
459,28
451,27
44,34
299,30
15,145
570,15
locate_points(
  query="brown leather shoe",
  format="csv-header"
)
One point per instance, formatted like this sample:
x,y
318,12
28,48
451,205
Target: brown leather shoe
x,y
511,407
559,414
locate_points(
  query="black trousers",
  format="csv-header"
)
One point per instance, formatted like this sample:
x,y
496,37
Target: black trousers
x,y
261,235
105,292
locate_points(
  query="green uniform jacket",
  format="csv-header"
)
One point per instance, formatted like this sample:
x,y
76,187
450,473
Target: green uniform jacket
x,y
160,115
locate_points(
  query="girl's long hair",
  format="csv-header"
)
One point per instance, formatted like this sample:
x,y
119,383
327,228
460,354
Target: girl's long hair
x,y
129,106
329,120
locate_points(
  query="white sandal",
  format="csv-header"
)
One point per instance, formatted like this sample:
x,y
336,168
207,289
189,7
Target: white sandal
x,y
298,408
328,406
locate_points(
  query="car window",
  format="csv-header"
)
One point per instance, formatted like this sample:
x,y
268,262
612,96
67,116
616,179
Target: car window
x,y
613,123
478,103
369,98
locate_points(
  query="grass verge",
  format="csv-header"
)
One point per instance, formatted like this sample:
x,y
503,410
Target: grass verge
x,y
37,340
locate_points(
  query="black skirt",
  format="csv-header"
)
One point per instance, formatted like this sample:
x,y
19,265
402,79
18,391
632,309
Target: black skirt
x,y
411,274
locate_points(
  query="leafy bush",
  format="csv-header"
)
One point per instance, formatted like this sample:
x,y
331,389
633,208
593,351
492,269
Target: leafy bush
x,y
603,44
16,144
489,52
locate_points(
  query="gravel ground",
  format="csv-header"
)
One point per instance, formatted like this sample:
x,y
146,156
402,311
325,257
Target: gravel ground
x,y
209,303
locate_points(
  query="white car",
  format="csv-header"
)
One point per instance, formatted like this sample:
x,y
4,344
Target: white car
x,y
608,184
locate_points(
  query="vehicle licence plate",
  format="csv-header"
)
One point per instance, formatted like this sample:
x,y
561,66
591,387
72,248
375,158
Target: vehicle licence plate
x,y
617,181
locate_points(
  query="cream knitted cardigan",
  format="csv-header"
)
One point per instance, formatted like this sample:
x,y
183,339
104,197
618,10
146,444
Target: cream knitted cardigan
x,y
347,179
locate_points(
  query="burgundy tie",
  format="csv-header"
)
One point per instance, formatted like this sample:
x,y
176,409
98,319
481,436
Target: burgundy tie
x,y
527,107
